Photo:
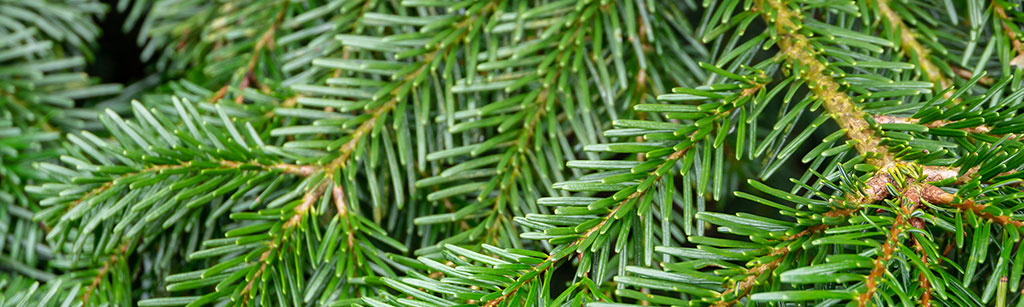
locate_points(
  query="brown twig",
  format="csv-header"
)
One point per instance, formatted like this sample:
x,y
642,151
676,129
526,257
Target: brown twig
x,y
889,119
287,168
103,272
1011,33
910,198
743,287
871,282
926,296
937,196
266,41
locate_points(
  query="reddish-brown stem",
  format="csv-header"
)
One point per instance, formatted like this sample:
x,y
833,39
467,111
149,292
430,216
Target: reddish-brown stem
x,y
935,195
910,198
1011,33
266,41
121,251
308,200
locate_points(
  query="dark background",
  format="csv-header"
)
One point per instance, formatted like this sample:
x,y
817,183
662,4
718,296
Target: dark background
x,y
117,56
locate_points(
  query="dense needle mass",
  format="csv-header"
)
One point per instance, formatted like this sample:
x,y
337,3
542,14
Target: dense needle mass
x,y
513,153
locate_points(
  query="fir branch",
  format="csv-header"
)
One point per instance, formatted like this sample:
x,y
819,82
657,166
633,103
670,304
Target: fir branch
x,y
935,195
743,288
121,254
795,49
541,107
449,119
577,244
407,82
300,212
653,176
107,185
798,52
267,39
913,48
1010,29
286,168
882,261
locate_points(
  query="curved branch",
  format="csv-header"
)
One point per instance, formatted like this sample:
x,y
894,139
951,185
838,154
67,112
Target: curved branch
x,y
796,49
911,47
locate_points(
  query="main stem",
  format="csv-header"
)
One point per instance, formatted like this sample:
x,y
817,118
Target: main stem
x,y
797,51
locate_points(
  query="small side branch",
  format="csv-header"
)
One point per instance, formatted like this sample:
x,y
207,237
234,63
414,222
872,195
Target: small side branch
x,y
119,256
1011,32
937,196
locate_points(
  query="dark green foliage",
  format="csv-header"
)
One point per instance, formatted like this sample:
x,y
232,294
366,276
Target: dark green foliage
x,y
516,153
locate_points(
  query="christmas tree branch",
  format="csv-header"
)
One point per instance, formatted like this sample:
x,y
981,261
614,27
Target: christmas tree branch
x,y
912,48
266,41
346,150
797,51
742,288
578,243
657,174
408,83
114,258
1011,30
300,212
882,261
292,169
526,134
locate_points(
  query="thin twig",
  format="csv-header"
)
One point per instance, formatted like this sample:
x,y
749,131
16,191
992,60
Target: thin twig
x,y
103,272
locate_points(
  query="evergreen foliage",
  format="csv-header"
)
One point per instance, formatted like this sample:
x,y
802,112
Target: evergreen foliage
x,y
515,153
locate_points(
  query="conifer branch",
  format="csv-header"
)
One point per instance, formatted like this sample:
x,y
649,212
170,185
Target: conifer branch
x,y
107,185
742,288
407,82
490,155
266,41
114,258
912,48
795,49
276,242
549,262
882,261
935,195
911,196
1011,30
292,169
669,160
529,126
